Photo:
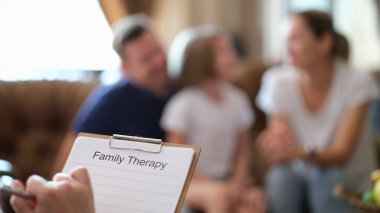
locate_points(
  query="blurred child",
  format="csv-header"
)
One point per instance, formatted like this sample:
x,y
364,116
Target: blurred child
x,y
213,114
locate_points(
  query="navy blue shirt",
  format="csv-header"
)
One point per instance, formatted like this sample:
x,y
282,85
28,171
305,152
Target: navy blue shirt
x,y
121,109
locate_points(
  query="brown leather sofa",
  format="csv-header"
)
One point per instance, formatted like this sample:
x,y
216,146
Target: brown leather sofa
x,y
34,118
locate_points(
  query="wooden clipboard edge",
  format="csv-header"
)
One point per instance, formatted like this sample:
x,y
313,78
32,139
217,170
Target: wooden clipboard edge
x,y
197,152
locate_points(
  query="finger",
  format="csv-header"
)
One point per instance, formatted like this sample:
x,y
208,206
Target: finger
x,y
262,207
259,197
261,201
36,185
16,184
251,200
19,204
62,177
81,174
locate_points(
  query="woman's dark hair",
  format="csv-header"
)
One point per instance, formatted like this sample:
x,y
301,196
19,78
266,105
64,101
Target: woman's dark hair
x,y
342,47
321,23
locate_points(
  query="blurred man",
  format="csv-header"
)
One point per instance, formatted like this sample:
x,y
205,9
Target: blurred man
x,y
134,105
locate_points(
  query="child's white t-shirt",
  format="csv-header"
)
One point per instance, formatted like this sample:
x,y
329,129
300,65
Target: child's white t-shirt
x,y
213,126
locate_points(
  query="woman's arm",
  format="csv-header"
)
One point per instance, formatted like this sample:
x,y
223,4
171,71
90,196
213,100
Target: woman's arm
x,y
345,139
340,150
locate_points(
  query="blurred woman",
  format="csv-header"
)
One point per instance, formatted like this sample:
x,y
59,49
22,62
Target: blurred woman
x,y
211,113
315,122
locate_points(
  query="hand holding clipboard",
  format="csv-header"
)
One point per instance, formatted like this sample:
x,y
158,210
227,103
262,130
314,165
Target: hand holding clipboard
x,y
66,193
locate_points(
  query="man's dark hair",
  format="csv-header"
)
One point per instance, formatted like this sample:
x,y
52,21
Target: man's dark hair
x,y
130,36
133,34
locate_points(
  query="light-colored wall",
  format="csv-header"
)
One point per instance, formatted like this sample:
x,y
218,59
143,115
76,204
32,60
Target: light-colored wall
x,y
240,17
113,10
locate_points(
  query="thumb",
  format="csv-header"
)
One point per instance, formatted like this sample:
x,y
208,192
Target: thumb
x,y
81,174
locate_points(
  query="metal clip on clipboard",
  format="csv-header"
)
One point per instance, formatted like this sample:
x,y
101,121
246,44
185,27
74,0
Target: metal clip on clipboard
x,y
136,143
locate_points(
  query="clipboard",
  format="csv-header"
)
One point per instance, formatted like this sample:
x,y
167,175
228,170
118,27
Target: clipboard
x,y
130,145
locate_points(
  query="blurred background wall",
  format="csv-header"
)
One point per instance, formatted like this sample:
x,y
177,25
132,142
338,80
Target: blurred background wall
x,y
259,24
60,39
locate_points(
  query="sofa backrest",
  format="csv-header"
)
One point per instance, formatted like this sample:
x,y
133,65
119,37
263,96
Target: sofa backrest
x,y
34,118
